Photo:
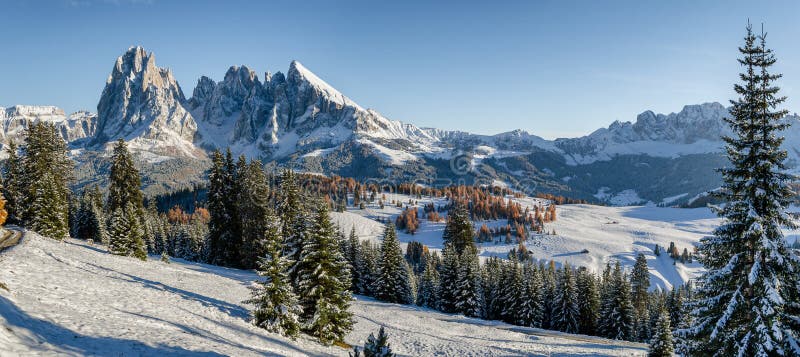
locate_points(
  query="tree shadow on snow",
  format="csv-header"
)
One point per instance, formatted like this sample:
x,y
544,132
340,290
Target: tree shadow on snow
x,y
194,330
36,332
224,306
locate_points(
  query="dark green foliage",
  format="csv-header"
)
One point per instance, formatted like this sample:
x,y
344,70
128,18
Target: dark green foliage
x,y
747,300
324,281
12,186
46,171
277,308
661,343
566,311
378,346
393,282
253,206
458,232
126,226
225,235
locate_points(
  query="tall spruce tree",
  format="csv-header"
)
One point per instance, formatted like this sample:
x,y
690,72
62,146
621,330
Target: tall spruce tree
x,y
46,171
566,312
277,308
748,300
468,299
530,311
293,222
126,199
324,281
449,278
254,205
620,313
588,303
428,291
393,280
458,230
12,186
353,256
661,343
218,191
640,283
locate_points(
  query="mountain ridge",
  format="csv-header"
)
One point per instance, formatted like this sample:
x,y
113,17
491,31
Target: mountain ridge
x,y
299,120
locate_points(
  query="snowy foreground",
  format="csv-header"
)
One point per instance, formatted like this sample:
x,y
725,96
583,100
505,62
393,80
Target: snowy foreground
x,y
76,299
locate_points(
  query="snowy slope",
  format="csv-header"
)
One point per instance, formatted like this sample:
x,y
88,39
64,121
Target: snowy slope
x,y
609,233
74,299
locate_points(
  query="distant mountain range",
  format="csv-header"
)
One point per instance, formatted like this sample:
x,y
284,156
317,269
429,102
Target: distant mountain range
x,y
298,120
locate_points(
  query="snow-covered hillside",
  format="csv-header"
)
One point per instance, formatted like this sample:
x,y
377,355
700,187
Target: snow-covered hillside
x,y
608,233
74,299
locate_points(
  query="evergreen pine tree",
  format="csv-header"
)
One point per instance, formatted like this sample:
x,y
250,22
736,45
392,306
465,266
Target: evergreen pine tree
x,y
253,207
530,310
12,173
428,293
393,280
661,343
458,231
492,292
620,315
324,281
588,303
353,256
125,197
511,290
46,171
368,273
566,312
378,346
548,294
293,222
748,300
468,300
277,307
449,279
640,283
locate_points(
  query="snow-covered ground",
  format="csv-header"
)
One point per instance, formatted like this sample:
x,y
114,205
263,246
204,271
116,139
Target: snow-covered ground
x,y
608,233
71,298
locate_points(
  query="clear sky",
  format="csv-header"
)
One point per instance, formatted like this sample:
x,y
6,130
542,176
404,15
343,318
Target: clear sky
x,y
554,68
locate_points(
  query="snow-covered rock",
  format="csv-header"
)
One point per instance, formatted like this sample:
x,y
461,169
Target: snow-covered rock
x,y
144,104
16,119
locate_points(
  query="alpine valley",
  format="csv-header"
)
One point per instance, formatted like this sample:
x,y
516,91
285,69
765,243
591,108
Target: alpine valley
x,y
298,120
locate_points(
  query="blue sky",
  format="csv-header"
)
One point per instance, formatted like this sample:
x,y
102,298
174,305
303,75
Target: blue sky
x,y
554,68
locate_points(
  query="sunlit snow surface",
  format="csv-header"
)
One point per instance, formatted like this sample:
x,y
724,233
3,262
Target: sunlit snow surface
x,y
74,299
608,233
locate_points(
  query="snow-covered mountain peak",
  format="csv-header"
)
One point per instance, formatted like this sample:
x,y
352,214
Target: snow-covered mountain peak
x,y
299,74
144,104
16,119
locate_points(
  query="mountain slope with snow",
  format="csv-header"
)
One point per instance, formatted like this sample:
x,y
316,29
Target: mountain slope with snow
x,y
70,298
298,119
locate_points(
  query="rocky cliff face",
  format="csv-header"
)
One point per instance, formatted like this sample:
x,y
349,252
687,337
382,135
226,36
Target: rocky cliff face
x,y
74,128
286,114
300,120
143,103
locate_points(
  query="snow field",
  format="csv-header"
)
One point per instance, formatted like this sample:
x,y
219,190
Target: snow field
x,y
70,298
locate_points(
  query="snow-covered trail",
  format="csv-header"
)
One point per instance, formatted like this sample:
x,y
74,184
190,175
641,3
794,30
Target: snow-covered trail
x,y
74,299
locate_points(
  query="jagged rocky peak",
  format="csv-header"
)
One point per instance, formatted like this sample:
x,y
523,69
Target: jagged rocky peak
x,y
16,119
692,123
144,103
202,92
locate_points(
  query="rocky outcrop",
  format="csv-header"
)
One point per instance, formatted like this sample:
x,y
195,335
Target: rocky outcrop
x,y
144,104
75,128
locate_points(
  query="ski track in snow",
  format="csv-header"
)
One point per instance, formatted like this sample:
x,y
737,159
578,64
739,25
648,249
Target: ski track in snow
x,y
71,298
